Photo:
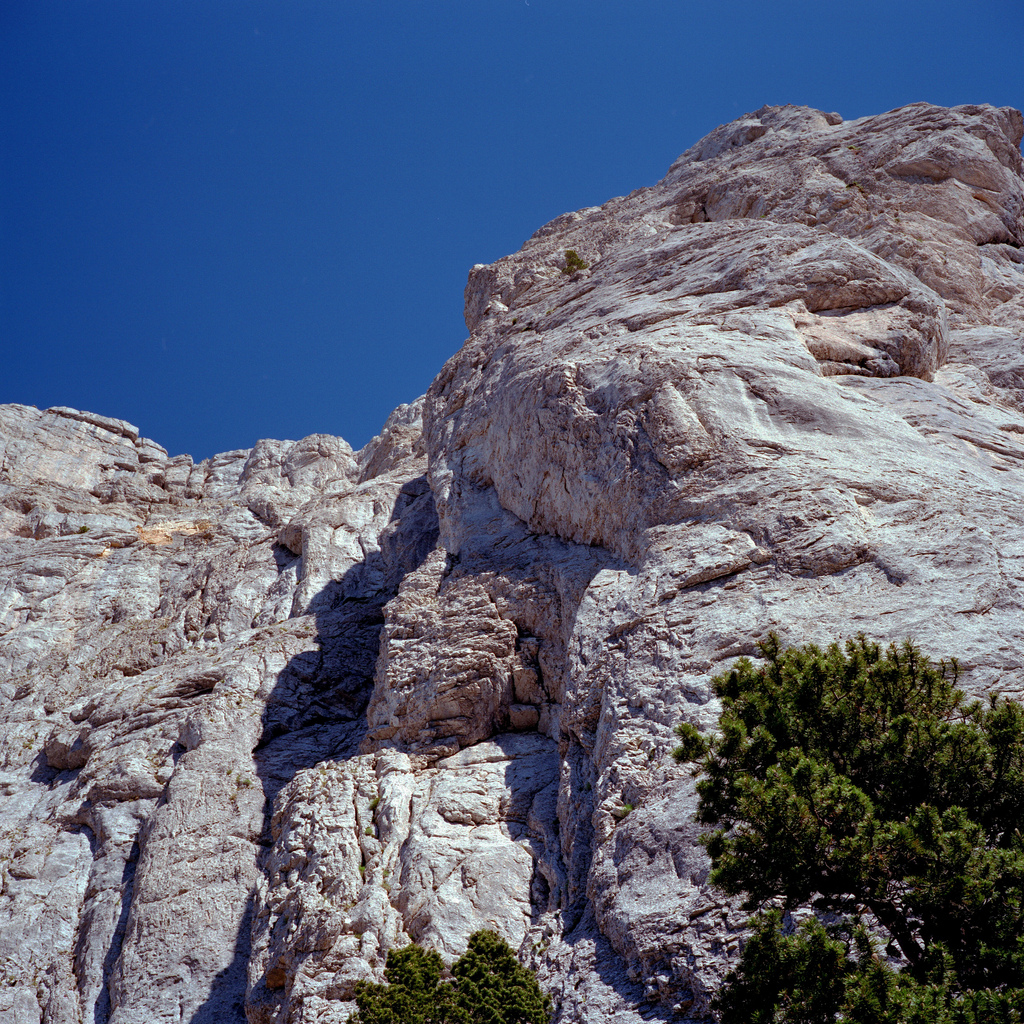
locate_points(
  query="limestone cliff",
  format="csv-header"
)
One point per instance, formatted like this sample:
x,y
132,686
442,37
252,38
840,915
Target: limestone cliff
x,y
268,715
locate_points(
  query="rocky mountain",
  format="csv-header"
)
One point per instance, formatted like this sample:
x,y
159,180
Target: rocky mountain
x,y
269,715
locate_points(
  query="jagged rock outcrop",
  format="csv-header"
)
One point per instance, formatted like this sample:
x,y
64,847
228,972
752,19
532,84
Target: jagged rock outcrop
x,y
266,716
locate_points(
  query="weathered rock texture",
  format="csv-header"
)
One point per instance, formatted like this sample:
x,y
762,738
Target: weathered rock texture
x,y
267,716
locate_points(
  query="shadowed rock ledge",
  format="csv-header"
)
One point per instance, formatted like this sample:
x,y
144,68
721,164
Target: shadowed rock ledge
x,y
269,715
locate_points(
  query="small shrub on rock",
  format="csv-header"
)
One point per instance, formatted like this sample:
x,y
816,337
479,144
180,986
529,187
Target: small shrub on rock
x,y
573,262
487,985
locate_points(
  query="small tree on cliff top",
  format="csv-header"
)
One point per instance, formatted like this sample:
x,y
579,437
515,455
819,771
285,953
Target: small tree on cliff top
x,y
864,783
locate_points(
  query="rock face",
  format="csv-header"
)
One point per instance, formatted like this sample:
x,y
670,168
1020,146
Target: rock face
x,y
267,716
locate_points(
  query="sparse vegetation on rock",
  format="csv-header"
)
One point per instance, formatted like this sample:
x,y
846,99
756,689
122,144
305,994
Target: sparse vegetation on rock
x,y
488,985
573,262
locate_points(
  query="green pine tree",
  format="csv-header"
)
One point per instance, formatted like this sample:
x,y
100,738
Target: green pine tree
x,y
494,988
488,986
865,784
414,993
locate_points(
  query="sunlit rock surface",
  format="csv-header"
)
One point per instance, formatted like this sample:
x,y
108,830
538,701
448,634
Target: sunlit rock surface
x,y
267,716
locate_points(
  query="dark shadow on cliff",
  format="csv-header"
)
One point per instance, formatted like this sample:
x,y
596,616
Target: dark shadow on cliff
x,y
226,1001
101,1008
43,774
317,712
532,778
317,708
612,969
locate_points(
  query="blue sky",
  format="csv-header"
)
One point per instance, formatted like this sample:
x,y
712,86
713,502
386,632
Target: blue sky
x,y
230,220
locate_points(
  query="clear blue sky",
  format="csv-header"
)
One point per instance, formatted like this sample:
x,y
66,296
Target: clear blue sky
x,y
226,220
